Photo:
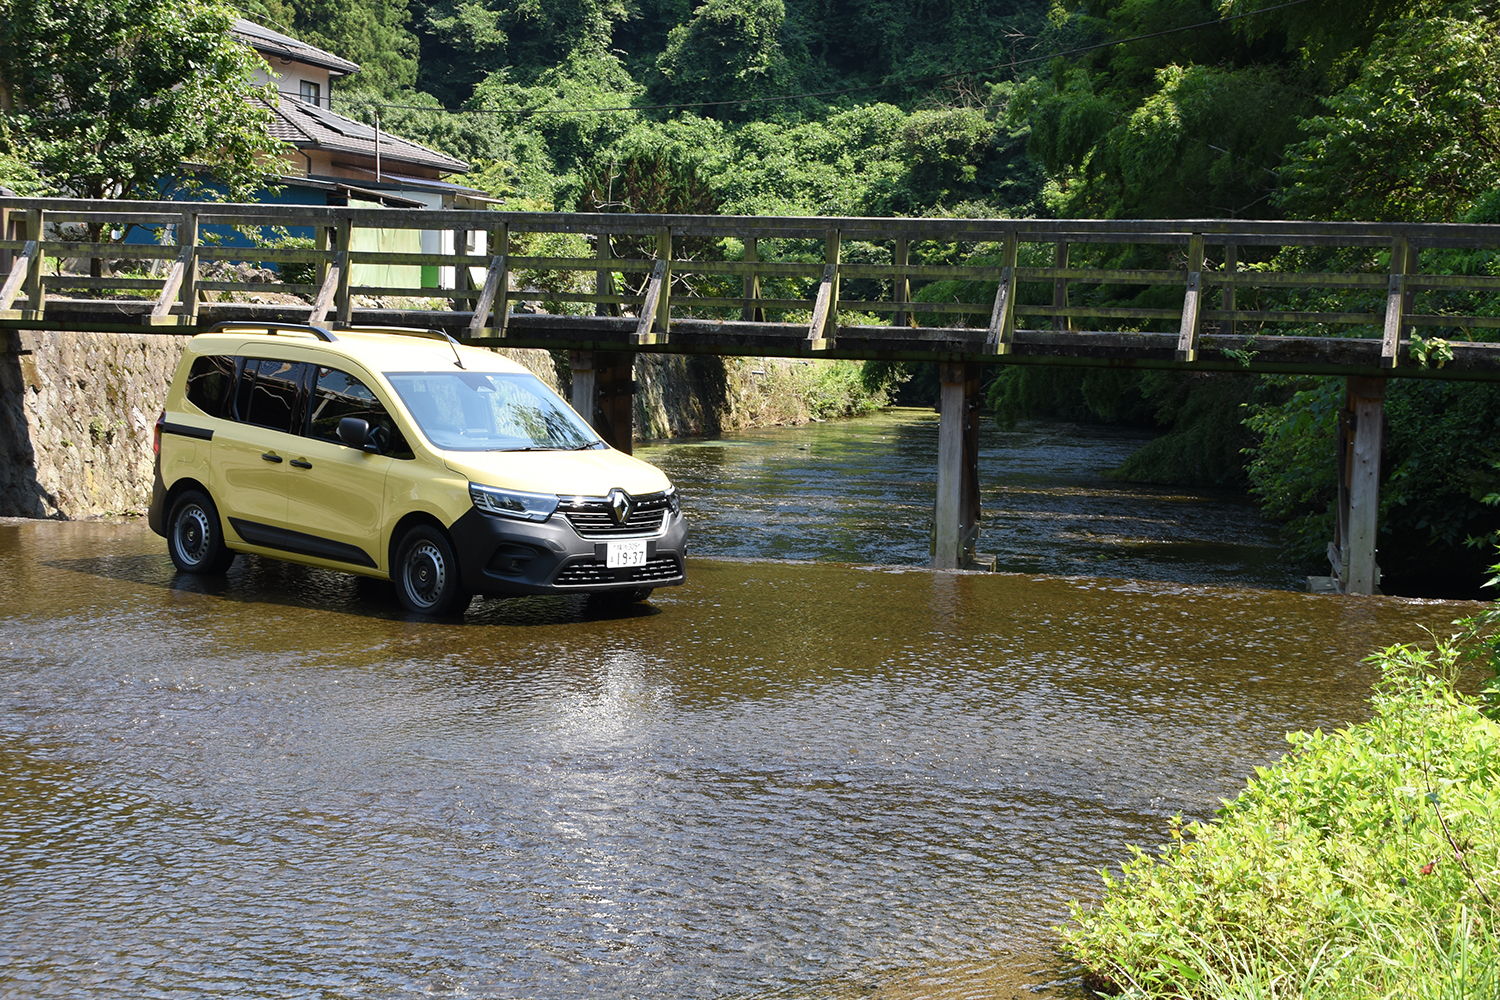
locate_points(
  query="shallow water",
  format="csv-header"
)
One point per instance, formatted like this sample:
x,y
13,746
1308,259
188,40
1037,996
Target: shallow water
x,y
783,779
862,491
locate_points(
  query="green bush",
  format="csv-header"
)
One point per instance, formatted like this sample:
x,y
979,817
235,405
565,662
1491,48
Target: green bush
x,y
1365,864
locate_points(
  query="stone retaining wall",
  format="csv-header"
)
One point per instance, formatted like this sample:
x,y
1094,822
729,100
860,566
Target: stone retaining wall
x,y
76,417
77,411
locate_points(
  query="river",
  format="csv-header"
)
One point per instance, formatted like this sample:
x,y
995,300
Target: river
x,y
840,777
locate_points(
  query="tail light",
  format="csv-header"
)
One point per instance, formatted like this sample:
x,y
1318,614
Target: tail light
x,y
156,434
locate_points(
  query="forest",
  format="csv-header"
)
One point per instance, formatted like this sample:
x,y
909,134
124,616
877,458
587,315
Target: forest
x,y
1315,109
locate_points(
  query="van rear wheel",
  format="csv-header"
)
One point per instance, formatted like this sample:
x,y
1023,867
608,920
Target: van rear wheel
x,y
426,574
195,539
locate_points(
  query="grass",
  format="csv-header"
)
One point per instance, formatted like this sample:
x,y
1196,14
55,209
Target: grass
x,y
1365,865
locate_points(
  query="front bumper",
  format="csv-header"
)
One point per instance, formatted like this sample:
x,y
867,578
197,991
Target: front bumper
x,y
498,555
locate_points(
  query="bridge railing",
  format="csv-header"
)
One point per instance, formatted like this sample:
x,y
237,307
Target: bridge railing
x,y
808,277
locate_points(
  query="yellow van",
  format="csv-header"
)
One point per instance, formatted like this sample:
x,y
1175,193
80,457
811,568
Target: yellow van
x,y
403,455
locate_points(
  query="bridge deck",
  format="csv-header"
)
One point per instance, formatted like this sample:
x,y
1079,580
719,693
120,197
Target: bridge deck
x,y
1233,295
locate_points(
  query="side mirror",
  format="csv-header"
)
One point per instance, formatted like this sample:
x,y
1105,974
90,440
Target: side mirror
x,y
355,432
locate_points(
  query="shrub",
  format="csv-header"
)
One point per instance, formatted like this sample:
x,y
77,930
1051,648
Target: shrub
x,y
1366,864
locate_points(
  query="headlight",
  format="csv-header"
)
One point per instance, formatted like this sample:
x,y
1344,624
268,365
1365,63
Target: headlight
x,y
513,503
674,500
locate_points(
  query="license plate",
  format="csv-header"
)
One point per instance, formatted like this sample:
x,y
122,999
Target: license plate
x,y
630,552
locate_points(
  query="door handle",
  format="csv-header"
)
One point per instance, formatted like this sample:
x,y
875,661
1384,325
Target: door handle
x,y
301,463
270,457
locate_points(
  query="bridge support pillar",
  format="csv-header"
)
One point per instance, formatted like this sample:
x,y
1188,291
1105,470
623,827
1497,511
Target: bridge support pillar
x,y
955,529
604,394
1361,431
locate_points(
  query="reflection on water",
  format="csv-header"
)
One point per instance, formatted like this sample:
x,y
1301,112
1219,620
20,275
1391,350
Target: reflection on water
x,y
862,492
783,780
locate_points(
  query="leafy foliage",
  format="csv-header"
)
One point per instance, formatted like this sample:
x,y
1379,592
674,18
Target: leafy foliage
x,y
1364,864
108,97
1415,137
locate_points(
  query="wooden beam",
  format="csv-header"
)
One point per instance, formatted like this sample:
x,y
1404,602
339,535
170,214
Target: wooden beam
x,y
498,274
19,269
187,238
341,299
1366,401
583,380
1187,333
663,311
1395,303
1002,329
1060,288
644,332
822,331
950,541
334,277
35,284
604,277
901,291
752,313
1227,300
161,313
615,398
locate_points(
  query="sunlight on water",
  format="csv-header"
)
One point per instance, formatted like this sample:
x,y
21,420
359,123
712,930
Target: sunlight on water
x,y
781,780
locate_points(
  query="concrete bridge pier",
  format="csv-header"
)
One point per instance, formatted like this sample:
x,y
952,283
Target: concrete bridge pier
x,y
955,529
604,394
1357,510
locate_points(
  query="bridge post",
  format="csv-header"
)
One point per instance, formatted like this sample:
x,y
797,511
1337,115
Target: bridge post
x,y
1358,505
901,293
1060,288
955,529
604,394
1227,296
604,278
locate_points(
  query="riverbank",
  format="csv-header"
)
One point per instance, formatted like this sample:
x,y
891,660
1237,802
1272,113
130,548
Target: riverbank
x,y
1365,864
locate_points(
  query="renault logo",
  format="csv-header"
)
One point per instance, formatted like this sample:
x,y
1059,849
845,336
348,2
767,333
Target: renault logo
x,y
619,506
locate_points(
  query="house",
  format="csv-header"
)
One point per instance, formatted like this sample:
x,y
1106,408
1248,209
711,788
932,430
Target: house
x,y
340,161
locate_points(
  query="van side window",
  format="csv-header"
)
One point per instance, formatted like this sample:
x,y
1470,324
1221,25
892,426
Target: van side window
x,y
270,392
208,383
338,395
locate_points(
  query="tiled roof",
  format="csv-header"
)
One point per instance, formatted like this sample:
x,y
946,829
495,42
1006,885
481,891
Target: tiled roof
x,y
264,40
306,125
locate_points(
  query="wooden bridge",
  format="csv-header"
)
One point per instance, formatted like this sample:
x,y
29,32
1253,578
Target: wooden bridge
x,y
1367,301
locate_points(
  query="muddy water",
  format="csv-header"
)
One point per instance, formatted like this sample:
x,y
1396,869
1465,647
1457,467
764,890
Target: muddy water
x,y
783,779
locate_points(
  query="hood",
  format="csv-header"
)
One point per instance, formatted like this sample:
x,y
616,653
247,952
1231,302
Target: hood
x,y
566,473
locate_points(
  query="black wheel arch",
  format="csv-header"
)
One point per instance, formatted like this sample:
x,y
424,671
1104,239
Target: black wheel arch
x,y
408,521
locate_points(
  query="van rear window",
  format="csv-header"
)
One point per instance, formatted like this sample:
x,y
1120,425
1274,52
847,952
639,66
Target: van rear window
x,y
208,383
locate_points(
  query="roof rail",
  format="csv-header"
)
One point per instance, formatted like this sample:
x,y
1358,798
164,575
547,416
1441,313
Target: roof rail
x,y
272,328
412,331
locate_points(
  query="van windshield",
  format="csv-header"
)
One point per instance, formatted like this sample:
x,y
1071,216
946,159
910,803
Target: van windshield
x,y
491,411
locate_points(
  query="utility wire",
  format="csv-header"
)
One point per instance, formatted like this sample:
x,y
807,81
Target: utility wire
x,y
741,102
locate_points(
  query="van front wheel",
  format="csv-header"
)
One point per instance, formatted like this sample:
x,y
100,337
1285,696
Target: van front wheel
x,y
426,574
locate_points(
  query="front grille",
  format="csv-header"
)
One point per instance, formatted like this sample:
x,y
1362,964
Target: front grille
x,y
592,572
590,516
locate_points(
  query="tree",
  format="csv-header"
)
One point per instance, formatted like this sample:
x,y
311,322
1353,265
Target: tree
x,y
729,51
131,98
1415,137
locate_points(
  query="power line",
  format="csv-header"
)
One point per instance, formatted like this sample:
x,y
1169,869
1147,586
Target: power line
x,y
744,101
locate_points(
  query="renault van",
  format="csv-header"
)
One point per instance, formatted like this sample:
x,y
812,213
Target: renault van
x,y
403,455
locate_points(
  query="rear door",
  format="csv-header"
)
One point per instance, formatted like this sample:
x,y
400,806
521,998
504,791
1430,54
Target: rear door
x,y
250,454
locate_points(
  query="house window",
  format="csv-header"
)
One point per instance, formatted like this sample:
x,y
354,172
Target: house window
x,y
309,92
